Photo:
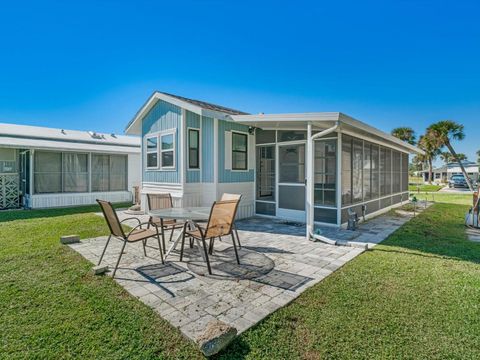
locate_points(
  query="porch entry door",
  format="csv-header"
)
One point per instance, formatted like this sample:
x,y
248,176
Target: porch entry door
x,y
291,181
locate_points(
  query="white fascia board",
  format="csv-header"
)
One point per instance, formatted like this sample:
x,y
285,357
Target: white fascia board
x,y
12,142
371,130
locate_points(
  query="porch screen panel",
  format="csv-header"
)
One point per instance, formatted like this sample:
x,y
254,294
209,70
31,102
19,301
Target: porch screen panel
x,y
396,173
292,163
346,170
385,171
118,173
47,172
357,171
325,172
367,171
375,179
404,172
75,172
265,182
100,172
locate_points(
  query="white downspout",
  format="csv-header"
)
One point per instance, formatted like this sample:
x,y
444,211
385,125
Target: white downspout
x,y
310,182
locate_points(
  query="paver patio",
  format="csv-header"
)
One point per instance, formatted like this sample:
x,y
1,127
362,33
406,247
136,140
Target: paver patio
x,y
277,265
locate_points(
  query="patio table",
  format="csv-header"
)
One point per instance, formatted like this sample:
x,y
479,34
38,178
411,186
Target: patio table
x,y
191,215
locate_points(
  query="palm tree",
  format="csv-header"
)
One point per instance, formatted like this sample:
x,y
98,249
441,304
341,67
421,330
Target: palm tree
x,y
446,157
461,156
445,131
478,157
431,149
406,134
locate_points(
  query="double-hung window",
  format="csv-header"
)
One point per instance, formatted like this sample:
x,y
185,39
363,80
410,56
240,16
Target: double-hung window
x,y
167,151
239,151
193,149
152,152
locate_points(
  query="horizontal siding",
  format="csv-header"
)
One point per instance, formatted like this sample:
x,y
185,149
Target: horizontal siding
x,y
207,150
63,200
163,116
229,176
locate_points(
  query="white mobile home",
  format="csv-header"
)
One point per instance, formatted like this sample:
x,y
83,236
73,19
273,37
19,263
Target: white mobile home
x,y
309,167
44,167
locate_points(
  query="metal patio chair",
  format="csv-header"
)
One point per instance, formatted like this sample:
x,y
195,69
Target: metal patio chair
x,y
162,201
134,235
236,197
220,223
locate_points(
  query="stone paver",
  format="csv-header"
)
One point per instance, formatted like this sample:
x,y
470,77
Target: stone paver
x,y
190,301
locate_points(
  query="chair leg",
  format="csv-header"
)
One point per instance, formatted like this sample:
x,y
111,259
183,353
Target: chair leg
x,y
183,242
160,248
119,257
238,237
212,242
191,242
163,235
235,247
206,256
171,234
104,249
144,243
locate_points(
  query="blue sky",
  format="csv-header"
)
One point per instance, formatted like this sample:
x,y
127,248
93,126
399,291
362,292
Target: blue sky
x,y
90,65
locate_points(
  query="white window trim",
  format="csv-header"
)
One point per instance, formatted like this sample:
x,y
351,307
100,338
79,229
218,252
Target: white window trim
x,y
151,136
231,151
199,148
160,150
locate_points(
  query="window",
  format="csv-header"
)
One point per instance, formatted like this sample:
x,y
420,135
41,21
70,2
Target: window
x,y
109,172
48,172
239,151
346,170
152,152
75,172
167,150
325,172
367,171
193,149
57,172
357,169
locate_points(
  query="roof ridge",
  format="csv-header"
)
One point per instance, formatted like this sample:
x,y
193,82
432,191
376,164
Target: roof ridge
x,y
207,105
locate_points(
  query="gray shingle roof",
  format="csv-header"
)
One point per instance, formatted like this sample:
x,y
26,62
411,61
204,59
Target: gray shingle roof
x,y
206,105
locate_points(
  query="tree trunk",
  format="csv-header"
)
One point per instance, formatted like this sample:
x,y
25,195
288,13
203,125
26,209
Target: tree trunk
x,y
454,154
430,171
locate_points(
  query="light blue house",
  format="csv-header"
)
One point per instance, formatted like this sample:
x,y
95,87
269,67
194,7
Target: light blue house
x,y
309,167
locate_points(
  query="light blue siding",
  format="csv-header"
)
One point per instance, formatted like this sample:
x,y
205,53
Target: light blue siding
x,y
193,120
228,176
163,116
193,176
208,161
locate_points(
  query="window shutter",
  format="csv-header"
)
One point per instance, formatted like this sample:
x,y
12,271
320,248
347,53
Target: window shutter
x,y
251,152
228,150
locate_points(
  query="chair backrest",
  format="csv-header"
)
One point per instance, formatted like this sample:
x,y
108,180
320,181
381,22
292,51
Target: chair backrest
x,y
111,218
222,216
159,201
227,196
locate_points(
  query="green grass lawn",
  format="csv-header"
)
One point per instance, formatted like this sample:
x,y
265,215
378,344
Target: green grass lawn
x,y
424,187
447,198
52,307
414,296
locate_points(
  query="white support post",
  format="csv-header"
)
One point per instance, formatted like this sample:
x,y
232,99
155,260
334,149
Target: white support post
x,y
339,177
309,182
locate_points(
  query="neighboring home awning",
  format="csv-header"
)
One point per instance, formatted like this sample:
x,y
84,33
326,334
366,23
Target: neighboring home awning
x,y
321,121
36,137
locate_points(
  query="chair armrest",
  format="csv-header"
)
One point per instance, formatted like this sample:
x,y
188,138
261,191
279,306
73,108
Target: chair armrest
x,y
131,218
139,226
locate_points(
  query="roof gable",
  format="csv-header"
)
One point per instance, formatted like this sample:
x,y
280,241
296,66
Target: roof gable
x,y
195,106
